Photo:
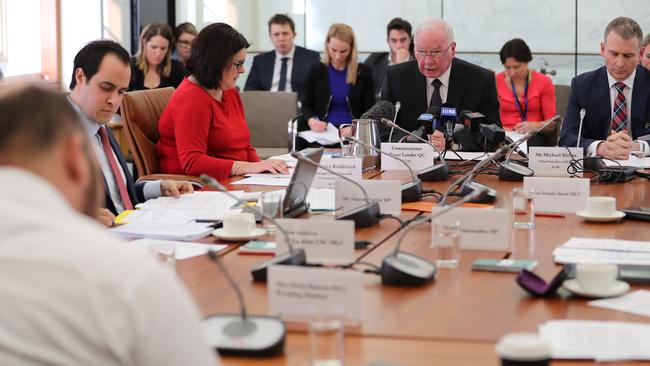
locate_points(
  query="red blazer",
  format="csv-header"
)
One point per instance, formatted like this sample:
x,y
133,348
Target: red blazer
x,y
199,134
541,100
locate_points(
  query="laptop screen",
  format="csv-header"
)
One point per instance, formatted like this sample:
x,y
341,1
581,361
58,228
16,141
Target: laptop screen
x,y
301,180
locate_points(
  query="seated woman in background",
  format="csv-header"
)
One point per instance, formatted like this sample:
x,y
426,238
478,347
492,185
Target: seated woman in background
x,y
152,67
339,88
203,129
184,34
526,97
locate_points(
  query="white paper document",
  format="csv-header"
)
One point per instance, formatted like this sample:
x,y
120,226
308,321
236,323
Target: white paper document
x,y
592,250
516,136
182,250
269,180
163,230
632,161
637,302
198,200
328,137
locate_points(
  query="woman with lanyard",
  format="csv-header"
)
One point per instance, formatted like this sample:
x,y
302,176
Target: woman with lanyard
x,y
526,97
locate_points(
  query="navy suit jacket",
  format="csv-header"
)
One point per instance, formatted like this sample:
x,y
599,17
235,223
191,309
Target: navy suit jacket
x,y
260,76
591,92
135,190
471,87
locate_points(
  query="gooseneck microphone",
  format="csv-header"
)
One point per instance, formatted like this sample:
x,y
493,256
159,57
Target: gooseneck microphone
x,y
293,256
425,123
411,191
439,172
406,269
243,334
363,216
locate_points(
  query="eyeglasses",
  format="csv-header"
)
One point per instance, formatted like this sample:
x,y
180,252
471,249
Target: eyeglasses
x,y
238,64
184,43
433,54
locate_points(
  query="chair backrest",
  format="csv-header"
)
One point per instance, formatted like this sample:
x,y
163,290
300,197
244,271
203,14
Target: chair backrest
x,y
267,114
141,111
561,102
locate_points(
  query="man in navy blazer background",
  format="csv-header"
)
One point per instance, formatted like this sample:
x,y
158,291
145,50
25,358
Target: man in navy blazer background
x,y
286,67
615,97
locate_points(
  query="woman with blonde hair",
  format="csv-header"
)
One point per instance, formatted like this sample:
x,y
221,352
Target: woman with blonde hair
x,y
339,88
152,67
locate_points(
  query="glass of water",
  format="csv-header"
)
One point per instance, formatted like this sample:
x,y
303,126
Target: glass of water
x,y
326,340
523,209
445,241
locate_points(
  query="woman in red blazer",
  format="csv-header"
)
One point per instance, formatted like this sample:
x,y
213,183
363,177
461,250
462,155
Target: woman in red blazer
x,y
203,129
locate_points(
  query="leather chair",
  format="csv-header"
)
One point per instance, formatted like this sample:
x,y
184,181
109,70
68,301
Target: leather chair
x,y
141,111
561,102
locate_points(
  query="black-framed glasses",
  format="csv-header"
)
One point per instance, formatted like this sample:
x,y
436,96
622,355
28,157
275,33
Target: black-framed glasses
x,y
432,54
238,64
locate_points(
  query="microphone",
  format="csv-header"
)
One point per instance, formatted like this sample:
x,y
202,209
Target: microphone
x,y
493,135
425,122
398,105
296,257
381,109
406,269
583,112
594,163
471,120
363,216
448,118
411,191
243,334
433,173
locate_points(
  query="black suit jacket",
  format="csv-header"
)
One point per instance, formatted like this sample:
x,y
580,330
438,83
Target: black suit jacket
x,y
471,87
260,76
591,92
135,190
379,63
174,79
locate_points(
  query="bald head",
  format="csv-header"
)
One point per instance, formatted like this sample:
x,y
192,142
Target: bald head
x,y
436,26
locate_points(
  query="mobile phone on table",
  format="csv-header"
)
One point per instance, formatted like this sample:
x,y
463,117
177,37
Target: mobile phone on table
x,y
504,265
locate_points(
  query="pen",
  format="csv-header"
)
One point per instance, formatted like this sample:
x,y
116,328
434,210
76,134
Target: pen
x,y
549,214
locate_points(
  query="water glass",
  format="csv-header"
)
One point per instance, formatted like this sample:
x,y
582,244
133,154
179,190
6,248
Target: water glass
x,y
445,240
347,150
271,203
326,340
523,209
165,253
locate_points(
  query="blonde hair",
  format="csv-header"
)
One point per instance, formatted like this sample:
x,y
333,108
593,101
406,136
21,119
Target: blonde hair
x,y
344,33
150,31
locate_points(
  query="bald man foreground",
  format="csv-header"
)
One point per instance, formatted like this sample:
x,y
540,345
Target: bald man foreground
x,y
436,77
70,293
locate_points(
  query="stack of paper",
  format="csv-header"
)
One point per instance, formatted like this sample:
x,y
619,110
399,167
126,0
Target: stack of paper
x,y
599,340
327,137
182,250
637,302
163,230
591,250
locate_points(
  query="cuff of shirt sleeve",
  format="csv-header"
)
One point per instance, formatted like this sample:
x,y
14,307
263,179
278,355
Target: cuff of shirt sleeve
x,y
592,149
151,190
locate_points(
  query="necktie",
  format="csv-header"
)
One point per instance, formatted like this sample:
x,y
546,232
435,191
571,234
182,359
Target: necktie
x,y
119,180
436,99
619,117
283,74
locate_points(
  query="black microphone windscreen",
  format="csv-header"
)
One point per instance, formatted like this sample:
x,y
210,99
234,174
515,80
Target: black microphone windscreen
x,y
381,109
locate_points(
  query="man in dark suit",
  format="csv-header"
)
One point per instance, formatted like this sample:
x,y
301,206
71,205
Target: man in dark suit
x,y
398,37
437,77
286,67
615,98
100,78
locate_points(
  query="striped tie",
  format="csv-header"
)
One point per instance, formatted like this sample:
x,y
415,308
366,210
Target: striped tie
x,y
619,119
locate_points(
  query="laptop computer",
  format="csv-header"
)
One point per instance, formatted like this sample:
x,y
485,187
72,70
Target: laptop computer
x,y
295,197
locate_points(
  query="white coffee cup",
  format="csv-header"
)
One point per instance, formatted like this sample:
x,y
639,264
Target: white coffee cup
x,y
601,206
596,277
239,224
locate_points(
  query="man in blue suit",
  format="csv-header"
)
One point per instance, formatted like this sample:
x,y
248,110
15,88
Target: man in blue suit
x,y
615,98
100,78
286,67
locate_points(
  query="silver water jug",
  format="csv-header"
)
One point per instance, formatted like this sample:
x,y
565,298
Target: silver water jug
x,y
366,131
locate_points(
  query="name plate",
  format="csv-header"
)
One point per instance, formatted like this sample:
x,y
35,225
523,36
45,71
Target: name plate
x,y
303,291
348,167
564,195
552,161
417,156
386,192
480,228
324,241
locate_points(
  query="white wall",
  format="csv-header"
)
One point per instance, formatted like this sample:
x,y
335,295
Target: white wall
x,y
23,37
80,23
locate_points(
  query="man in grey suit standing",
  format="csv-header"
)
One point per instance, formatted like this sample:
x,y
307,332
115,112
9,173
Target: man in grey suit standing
x,y
286,67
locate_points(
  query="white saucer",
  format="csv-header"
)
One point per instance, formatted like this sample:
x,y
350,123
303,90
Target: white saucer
x,y
619,288
222,234
615,216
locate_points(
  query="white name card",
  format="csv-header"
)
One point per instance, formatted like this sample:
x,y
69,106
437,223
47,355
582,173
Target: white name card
x,y
386,192
348,167
552,161
417,156
303,291
324,241
480,228
564,195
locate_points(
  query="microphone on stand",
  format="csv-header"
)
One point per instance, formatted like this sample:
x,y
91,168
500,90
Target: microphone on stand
x,y
439,172
406,269
398,105
593,163
293,256
411,191
243,334
363,216
425,121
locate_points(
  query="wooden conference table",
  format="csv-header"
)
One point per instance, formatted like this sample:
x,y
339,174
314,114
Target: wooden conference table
x,y
457,319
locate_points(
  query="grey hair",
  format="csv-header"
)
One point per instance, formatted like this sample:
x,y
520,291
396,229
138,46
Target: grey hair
x,y
625,27
433,24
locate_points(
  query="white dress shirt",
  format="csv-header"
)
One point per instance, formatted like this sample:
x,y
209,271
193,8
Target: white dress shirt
x,y
275,82
444,88
73,295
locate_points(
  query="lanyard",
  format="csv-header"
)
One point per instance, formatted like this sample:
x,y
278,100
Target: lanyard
x,y
523,113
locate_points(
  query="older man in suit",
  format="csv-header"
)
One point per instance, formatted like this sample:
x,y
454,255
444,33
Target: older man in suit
x,y
615,98
437,77
286,67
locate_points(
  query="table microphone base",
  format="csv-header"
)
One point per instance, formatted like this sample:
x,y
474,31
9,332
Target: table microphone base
x,y
412,191
364,216
406,270
512,171
489,195
297,257
436,173
255,336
